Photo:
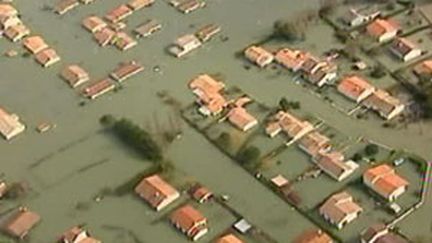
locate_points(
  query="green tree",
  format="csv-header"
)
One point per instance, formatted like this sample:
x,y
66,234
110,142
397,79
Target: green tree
x,y
289,30
249,156
371,149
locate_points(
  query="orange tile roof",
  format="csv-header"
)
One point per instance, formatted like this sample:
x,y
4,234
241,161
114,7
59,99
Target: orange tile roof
x,y
74,75
290,58
35,44
339,206
384,179
208,91
241,118
230,238
155,190
7,10
119,13
424,67
47,57
21,223
138,4
313,236
381,26
354,86
187,217
93,23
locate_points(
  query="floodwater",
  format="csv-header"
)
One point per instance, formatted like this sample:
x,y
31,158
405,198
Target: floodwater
x,y
74,162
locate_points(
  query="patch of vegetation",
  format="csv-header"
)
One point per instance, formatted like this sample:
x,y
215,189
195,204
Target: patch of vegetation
x,y
224,140
371,150
288,105
378,72
249,157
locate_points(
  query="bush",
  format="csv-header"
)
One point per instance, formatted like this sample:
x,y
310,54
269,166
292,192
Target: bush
x,y
357,157
249,157
371,149
378,72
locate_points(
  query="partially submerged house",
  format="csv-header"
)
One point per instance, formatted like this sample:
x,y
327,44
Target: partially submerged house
x,y
21,222
47,57
93,24
77,235
123,41
379,233
340,209
313,236
423,68
291,59
184,44
126,70
139,4
242,119
207,32
405,49
187,6
119,13
292,126
259,56
74,75
355,88
17,32
209,94
335,165
385,104
64,6
383,30
190,222
314,142
201,194
156,192
98,88
105,36
356,17
7,21
148,28
35,44
10,125
383,180
318,72
229,238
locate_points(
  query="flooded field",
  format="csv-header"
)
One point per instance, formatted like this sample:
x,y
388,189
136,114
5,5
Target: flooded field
x,y
70,165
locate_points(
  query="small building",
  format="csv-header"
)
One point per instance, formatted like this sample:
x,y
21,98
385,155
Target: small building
x,y
229,238
355,88
209,94
21,223
357,17
156,192
190,222
292,126
10,125
279,181
259,56
201,194
242,119
340,209
314,142
118,14
313,236
74,75
64,6
423,68
77,235
291,59
8,21
187,6
242,226
98,88
124,42
17,32
148,28
383,30
105,36
184,44
207,32
139,4
383,180
404,49
35,44
385,104
126,70
334,164
47,57
93,24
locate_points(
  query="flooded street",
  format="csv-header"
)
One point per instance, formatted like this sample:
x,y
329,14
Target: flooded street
x,y
71,164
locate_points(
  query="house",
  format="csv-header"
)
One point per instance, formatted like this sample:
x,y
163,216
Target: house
x,y
7,10
259,56
148,28
292,126
391,238
104,37
117,27
404,49
187,6
35,44
156,192
229,238
118,14
201,194
126,70
16,32
314,142
21,223
98,88
334,164
291,59
190,222
77,235
139,4
208,93
355,88
10,125
47,57
317,72
93,24
383,30
64,6
207,32
184,44
313,236
242,119
386,105
8,21
124,42
385,182
371,234
74,75
340,209
423,68
357,17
